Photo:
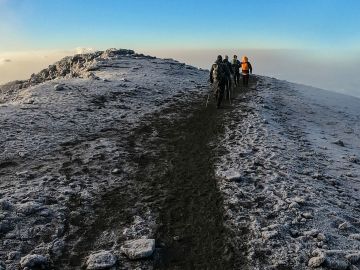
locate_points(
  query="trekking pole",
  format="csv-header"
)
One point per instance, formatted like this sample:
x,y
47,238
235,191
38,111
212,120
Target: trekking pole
x,y
230,96
207,100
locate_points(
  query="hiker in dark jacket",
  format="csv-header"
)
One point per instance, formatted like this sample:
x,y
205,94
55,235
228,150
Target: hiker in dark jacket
x,y
230,72
218,78
236,68
246,69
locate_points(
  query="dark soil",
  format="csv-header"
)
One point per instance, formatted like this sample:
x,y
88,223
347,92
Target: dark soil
x,y
191,215
172,154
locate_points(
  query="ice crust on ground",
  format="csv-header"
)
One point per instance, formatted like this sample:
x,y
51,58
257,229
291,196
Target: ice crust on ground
x,y
289,188
62,149
288,164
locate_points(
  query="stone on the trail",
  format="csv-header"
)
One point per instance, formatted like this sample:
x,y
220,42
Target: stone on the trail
x,y
353,257
315,262
59,87
294,233
343,226
294,205
355,236
5,226
313,233
307,215
337,263
321,237
340,143
138,249
57,248
28,208
13,255
5,204
2,265
101,260
34,260
269,234
354,159
299,200
92,76
116,171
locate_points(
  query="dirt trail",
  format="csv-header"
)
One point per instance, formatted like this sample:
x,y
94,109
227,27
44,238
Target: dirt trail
x,y
172,155
191,234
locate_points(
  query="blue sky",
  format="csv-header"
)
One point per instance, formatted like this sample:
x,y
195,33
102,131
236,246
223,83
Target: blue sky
x,y
304,41
268,24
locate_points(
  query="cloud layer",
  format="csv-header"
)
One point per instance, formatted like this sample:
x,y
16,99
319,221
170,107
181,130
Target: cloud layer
x,y
4,61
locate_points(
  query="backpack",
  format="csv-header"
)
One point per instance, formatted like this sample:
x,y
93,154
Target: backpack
x,y
245,66
218,73
236,64
245,63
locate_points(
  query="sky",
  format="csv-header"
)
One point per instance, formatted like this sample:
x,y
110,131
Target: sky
x,y
321,34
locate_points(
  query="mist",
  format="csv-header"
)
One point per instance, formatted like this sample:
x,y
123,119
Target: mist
x,y
315,68
320,69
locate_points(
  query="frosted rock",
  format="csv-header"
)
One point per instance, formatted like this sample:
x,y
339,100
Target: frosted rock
x,y
116,171
34,260
138,249
269,234
313,233
57,248
316,261
307,215
355,236
353,257
2,265
321,237
354,159
337,263
299,200
100,260
28,208
5,226
294,205
59,87
5,204
343,226
340,143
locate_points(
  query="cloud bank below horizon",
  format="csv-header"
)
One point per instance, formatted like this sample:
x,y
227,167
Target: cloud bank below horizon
x,y
300,66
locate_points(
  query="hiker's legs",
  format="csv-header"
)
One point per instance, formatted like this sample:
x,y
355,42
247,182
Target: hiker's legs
x,y
237,79
228,88
245,80
220,94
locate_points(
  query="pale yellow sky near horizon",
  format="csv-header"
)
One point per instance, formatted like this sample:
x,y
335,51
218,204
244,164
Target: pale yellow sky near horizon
x,y
297,66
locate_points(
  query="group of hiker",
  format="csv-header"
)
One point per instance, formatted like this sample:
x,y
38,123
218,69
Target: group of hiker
x,y
225,75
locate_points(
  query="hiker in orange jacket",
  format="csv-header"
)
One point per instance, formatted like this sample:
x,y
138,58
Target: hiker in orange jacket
x,y
246,69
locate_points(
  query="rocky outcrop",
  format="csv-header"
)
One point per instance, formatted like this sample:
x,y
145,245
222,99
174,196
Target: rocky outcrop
x,y
75,66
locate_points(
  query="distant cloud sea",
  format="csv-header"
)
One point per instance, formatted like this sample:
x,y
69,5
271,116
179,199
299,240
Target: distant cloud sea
x,y
338,74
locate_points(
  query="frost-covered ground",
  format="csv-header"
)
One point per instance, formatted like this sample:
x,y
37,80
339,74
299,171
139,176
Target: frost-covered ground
x,y
64,144
291,177
115,146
